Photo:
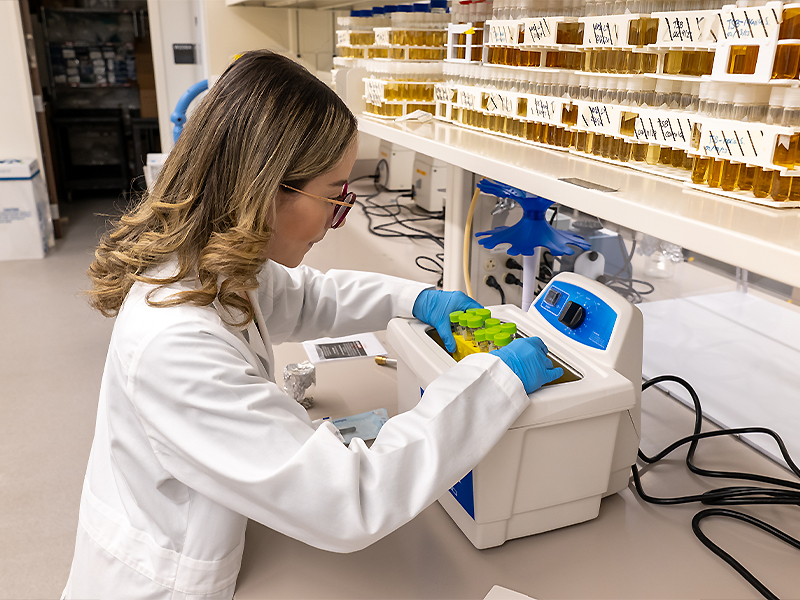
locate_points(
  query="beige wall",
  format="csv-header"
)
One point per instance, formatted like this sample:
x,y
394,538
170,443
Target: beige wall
x,y
19,135
221,31
234,29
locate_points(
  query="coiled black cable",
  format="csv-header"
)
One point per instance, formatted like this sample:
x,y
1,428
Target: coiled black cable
x,y
393,212
727,496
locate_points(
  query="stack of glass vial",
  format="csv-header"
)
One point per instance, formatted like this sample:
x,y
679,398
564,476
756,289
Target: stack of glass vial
x,y
407,86
419,30
476,331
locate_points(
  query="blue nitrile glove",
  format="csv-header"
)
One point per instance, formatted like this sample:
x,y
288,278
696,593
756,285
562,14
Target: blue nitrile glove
x,y
434,307
527,357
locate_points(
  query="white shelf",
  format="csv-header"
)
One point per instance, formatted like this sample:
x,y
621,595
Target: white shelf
x,y
761,239
316,4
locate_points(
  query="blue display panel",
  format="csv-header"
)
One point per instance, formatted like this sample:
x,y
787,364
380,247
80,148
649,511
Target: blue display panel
x,y
598,323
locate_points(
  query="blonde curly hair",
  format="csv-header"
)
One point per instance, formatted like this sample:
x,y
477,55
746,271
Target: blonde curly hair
x,y
267,121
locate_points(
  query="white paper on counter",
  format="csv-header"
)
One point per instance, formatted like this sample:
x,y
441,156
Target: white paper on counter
x,y
501,593
351,346
740,353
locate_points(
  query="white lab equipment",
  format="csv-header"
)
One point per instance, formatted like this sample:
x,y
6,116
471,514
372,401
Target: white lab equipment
x,y
395,166
576,442
430,182
26,225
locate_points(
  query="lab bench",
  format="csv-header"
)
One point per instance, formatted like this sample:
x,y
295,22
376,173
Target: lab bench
x,y
631,550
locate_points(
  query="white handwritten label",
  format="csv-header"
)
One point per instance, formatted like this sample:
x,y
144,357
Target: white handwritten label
x,y
503,33
442,93
382,36
675,131
544,109
747,24
601,32
468,99
594,116
342,38
505,104
730,143
540,31
685,28
373,91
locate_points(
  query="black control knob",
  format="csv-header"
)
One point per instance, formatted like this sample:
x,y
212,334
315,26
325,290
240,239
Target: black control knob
x,y
573,315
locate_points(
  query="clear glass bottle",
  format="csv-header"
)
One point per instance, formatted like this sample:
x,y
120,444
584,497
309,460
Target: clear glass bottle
x,y
762,182
787,61
730,175
715,173
639,153
790,24
474,323
580,141
751,103
712,100
775,112
674,102
678,158
491,332
780,187
501,339
648,94
746,178
653,153
695,102
725,100
700,169
454,317
462,325
510,328
480,340
742,60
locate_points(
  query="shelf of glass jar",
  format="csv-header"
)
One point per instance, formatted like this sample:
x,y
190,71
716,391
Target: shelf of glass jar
x,y
611,44
398,97
752,161
397,44
402,53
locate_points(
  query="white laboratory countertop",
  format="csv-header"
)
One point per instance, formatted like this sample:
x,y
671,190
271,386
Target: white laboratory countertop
x,y
632,550
761,239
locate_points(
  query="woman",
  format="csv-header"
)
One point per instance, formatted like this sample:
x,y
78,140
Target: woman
x,y
193,436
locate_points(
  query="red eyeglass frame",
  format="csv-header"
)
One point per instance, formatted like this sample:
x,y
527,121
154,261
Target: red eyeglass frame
x,y
343,203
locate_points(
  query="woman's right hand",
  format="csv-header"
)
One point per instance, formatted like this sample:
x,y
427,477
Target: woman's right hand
x,y
527,357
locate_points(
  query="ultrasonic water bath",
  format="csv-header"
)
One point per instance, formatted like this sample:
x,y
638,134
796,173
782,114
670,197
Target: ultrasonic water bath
x,y
576,441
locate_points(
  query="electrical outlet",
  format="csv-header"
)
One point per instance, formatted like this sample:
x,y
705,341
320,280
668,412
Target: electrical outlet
x,y
490,264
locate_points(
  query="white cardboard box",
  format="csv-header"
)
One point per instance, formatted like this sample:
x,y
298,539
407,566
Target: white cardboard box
x,y
26,226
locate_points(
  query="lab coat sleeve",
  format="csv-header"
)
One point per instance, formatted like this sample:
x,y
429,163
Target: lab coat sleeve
x,y
218,427
303,303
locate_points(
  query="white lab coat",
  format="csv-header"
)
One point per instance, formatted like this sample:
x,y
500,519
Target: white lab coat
x,y
194,437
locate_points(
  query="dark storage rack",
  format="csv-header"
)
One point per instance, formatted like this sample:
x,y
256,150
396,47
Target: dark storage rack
x,y
101,141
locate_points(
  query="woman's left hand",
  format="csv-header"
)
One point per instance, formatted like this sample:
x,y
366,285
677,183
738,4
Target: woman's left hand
x,y
434,308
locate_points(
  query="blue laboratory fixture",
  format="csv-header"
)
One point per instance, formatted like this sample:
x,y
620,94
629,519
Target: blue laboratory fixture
x,y
532,230
179,114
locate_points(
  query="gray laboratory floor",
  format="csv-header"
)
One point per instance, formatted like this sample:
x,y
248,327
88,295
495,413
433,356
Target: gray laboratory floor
x,y
51,362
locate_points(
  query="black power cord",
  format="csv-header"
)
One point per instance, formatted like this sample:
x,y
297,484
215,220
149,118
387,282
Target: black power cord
x,y
512,264
492,283
512,279
727,496
398,226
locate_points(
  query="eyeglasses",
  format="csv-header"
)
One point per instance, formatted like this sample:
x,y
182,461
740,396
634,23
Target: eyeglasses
x,y
343,203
